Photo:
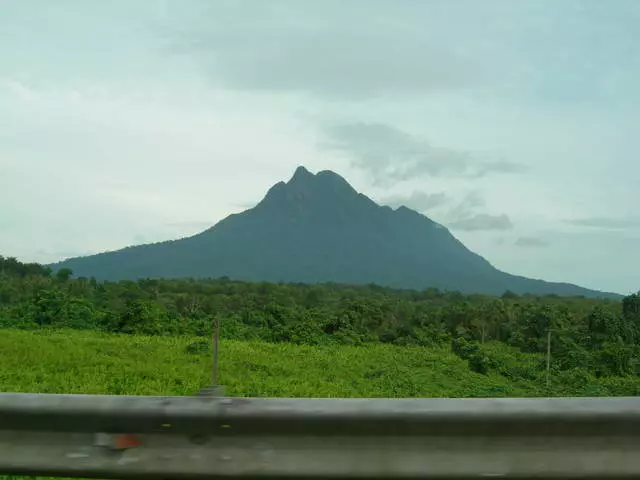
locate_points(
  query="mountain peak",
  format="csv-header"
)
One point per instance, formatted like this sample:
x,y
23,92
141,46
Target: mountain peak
x,y
332,178
301,174
318,228
306,192
323,183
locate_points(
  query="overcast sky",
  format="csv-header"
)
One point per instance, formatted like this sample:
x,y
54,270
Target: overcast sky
x,y
514,123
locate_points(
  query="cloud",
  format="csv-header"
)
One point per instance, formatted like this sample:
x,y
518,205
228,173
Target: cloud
x,y
20,90
463,215
482,221
365,48
141,239
467,206
606,223
419,201
391,155
246,204
532,242
191,225
324,50
45,256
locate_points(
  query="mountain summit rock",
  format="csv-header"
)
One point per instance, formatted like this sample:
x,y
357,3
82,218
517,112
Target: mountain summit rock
x,y
317,228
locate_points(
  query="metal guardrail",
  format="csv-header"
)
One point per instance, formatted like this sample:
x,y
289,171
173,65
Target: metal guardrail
x,y
220,437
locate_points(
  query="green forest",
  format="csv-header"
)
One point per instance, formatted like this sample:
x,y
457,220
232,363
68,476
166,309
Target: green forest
x,y
586,338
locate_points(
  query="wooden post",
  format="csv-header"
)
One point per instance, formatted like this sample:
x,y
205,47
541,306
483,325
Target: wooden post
x,y
548,355
216,346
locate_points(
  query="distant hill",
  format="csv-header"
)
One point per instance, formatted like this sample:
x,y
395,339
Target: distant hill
x,y
316,229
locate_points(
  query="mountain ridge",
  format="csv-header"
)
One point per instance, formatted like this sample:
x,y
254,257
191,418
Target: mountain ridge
x,y
316,228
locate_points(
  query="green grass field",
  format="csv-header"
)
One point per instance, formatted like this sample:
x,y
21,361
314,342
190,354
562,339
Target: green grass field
x,y
72,361
96,363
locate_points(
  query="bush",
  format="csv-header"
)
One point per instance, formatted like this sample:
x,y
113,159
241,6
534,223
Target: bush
x,y
496,357
200,347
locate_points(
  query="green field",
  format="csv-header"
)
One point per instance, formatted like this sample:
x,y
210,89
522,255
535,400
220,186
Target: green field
x,y
96,363
70,361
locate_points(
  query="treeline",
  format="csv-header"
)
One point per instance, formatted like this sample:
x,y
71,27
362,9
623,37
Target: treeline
x,y
601,337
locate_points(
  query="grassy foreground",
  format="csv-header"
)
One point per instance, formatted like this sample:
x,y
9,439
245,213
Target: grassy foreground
x,y
71,361
97,363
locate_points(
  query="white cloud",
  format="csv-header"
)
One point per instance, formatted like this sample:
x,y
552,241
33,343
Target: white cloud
x,y
21,91
420,201
531,242
392,155
607,222
482,221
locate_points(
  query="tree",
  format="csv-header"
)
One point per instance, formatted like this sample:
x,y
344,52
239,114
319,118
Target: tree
x,y
142,318
631,308
64,274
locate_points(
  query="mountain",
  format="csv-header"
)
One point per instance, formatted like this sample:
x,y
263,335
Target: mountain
x,y
317,228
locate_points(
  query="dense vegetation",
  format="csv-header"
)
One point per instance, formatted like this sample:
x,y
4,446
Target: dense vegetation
x,y
75,335
317,229
68,361
588,338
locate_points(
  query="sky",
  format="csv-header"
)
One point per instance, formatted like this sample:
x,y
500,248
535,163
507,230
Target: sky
x,y
514,124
